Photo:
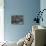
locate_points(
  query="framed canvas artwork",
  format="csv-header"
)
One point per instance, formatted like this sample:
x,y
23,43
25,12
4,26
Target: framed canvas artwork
x,y
17,19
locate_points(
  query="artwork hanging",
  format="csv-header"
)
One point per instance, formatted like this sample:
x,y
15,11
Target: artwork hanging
x,y
17,19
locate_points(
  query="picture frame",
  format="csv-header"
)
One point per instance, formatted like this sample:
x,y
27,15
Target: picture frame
x,y
17,19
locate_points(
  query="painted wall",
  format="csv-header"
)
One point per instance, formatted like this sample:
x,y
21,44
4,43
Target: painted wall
x,y
27,8
43,6
1,20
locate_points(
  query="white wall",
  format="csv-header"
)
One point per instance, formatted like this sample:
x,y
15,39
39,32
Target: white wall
x,y
1,20
43,6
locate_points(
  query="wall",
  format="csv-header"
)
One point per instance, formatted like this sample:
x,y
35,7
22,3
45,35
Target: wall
x,y
27,8
1,20
43,6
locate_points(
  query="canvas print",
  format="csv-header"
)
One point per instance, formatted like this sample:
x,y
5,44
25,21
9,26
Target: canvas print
x,y
18,19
